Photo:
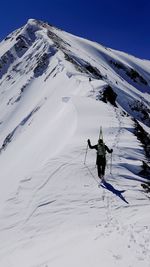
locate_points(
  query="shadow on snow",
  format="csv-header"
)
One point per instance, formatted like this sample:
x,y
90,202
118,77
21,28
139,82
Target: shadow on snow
x,y
118,193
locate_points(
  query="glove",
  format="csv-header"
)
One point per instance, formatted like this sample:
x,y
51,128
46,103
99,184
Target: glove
x,y
111,150
89,142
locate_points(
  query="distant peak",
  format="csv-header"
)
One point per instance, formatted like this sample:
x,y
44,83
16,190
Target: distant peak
x,y
30,21
34,21
40,23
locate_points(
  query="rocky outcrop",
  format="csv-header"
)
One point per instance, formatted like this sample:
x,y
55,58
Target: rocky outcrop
x,y
108,95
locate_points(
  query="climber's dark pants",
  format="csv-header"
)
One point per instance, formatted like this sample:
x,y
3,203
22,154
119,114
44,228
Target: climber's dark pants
x,y
101,164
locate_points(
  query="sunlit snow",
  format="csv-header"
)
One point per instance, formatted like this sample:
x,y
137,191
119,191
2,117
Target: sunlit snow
x,y
52,211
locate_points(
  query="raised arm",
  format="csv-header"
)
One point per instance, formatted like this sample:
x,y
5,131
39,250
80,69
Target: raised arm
x,y
90,146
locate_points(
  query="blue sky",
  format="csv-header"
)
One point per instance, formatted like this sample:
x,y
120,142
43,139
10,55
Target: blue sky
x,y
119,24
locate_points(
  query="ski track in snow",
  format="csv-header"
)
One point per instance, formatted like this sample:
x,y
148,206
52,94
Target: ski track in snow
x,y
74,201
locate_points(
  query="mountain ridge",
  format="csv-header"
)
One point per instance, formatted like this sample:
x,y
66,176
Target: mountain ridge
x,y
56,90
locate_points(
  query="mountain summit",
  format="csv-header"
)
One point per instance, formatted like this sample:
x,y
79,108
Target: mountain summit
x,y
56,91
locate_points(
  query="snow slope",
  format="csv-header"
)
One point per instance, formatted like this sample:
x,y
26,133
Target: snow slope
x,y
52,212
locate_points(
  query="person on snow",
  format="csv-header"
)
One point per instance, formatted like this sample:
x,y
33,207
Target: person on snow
x,y
101,156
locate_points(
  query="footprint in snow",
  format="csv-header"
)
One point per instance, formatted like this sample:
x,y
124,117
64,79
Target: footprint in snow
x,y
117,257
65,99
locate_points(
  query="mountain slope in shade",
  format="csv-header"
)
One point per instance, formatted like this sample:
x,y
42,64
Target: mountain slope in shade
x,y
56,90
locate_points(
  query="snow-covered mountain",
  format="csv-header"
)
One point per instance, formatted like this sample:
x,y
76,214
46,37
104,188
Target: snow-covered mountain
x,y
56,90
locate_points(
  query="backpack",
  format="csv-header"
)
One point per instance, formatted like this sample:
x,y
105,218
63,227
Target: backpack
x,y
101,150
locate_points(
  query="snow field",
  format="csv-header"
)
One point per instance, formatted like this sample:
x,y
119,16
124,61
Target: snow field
x,y
52,212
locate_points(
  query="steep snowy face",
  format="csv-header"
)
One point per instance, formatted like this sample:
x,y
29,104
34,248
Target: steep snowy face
x,y
42,67
40,49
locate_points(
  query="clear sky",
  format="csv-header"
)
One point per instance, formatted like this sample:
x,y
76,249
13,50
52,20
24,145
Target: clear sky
x,y
119,24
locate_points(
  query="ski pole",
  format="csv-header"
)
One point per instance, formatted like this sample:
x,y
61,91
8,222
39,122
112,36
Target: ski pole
x,y
85,154
111,164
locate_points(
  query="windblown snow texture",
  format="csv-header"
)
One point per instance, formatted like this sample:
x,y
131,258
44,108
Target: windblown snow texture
x,y
56,90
